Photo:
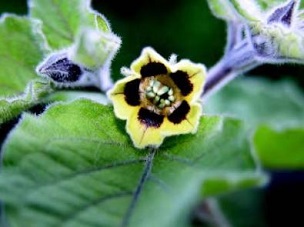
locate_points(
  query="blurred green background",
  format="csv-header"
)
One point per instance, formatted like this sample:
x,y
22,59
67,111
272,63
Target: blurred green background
x,y
186,28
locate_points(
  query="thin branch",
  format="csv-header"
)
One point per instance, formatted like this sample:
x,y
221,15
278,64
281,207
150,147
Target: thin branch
x,y
240,59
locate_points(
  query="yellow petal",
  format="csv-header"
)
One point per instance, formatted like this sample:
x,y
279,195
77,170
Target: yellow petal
x,y
197,74
122,109
189,125
141,135
148,55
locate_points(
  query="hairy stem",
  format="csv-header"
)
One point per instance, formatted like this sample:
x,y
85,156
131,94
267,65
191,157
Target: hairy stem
x,y
234,35
238,60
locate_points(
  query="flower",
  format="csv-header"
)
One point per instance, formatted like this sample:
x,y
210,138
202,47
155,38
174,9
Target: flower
x,y
158,98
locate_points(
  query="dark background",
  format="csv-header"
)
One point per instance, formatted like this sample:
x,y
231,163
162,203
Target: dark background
x,y
188,29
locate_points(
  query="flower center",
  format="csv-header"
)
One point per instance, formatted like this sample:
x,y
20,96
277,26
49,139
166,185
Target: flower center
x,y
159,94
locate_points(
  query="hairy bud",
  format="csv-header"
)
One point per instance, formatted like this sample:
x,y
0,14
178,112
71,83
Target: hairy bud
x,y
64,72
60,69
283,14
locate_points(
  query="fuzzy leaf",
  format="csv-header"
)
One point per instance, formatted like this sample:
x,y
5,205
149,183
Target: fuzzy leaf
x,y
290,44
279,38
268,4
68,96
223,9
21,48
248,9
93,48
280,149
279,104
231,10
98,19
75,166
12,107
63,18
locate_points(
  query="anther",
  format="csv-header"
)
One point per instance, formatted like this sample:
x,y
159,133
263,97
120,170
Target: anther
x,y
151,94
156,86
161,105
155,90
163,90
170,92
156,99
171,98
167,102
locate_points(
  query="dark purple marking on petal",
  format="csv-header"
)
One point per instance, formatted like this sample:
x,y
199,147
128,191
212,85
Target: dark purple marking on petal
x,y
149,118
182,81
131,92
180,113
153,69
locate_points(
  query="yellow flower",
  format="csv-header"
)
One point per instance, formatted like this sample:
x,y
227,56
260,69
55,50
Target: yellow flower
x,y
158,98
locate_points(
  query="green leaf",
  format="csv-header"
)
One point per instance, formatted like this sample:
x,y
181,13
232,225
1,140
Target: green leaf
x,y
268,4
223,9
222,184
248,9
68,96
12,107
244,208
256,101
75,165
94,17
231,10
63,18
93,48
21,48
280,149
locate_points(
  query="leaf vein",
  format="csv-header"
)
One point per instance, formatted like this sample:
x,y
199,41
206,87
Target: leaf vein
x,y
75,214
84,172
145,175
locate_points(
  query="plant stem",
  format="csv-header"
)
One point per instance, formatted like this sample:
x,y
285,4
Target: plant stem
x,y
239,59
234,35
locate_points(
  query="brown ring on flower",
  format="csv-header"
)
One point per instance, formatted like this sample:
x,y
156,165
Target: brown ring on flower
x,y
160,92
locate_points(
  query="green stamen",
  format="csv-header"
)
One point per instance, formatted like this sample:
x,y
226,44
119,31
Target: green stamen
x,y
163,90
156,86
170,92
171,98
151,83
155,90
156,99
151,94
167,102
